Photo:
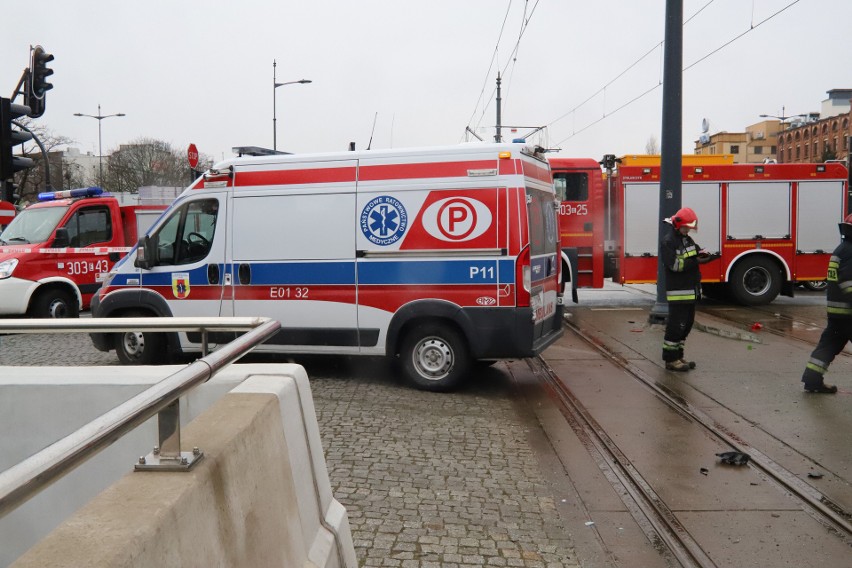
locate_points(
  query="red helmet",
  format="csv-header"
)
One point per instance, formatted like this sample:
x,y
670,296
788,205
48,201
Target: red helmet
x,y
685,217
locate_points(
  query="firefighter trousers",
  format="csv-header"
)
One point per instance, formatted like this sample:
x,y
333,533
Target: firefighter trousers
x,y
678,325
831,342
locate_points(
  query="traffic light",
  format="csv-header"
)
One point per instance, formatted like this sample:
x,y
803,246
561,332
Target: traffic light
x,y
37,86
9,138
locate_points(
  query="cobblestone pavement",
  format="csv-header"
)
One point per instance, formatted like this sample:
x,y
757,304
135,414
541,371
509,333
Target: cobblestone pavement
x,y
437,480
429,480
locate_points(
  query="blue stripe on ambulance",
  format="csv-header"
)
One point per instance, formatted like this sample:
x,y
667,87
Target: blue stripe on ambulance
x,y
488,271
389,272
304,273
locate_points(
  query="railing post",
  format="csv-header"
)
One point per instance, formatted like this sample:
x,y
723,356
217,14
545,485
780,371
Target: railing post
x,y
167,456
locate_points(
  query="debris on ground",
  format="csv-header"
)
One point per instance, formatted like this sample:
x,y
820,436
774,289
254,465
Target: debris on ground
x,y
734,458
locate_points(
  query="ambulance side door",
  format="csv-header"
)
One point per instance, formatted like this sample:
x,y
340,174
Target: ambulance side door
x,y
293,257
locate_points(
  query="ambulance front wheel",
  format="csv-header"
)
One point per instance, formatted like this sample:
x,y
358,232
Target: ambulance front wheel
x,y
435,357
139,347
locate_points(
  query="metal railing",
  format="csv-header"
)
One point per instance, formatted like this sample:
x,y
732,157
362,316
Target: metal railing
x,y
22,481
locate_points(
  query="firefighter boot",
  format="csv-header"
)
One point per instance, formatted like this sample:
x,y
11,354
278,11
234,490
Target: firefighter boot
x,y
680,365
820,388
690,363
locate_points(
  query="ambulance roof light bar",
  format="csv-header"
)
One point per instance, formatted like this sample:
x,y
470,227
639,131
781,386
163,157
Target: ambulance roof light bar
x,y
70,193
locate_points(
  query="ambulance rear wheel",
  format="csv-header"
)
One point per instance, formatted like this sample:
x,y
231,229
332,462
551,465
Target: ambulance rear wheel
x,y
54,303
755,281
434,357
139,347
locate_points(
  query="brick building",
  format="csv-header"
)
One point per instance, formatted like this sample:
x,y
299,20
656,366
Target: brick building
x,y
823,139
815,137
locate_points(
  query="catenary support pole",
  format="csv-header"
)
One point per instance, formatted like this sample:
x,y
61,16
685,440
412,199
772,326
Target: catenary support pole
x,y
670,165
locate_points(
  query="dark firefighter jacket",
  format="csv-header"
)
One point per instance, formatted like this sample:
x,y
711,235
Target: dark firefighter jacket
x,y
680,259
839,291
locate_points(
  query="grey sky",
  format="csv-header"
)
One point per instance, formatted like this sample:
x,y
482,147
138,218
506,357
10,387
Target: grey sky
x,y
201,72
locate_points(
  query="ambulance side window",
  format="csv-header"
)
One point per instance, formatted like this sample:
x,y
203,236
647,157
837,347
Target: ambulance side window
x,y
571,186
187,234
89,226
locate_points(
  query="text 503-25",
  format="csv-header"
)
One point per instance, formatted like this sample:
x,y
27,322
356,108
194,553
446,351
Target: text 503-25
x,y
568,209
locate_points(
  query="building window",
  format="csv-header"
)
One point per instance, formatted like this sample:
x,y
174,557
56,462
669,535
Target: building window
x,y
758,149
773,150
798,152
806,151
735,149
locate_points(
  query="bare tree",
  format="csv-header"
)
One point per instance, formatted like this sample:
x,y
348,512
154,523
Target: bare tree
x,y
33,180
145,162
651,146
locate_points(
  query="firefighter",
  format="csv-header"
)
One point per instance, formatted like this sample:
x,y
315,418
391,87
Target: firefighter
x,y
681,256
839,307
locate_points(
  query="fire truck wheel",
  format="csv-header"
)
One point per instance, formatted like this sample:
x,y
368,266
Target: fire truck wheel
x,y
54,303
434,357
139,347
755,281
816,285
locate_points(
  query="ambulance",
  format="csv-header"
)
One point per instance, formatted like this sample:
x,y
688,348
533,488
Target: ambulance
x,y
441,258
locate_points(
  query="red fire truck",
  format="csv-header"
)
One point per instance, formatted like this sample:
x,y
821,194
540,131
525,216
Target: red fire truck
x,y
771,225
55,253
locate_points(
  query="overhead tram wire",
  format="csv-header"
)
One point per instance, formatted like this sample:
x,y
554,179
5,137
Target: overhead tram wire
x,y
491,64
524,24
513,57
617,77
690,66
753,27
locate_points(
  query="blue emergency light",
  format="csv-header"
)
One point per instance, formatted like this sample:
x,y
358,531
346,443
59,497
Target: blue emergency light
x,y
70,193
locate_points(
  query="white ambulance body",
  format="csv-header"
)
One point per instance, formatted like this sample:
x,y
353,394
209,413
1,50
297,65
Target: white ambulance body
x,y
441,256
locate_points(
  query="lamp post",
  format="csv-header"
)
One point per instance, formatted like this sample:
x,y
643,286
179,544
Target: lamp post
x,y
99,117
275,85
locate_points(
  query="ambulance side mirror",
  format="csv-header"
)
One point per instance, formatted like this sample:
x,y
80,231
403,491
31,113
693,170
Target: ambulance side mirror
x,y
61,238
146,253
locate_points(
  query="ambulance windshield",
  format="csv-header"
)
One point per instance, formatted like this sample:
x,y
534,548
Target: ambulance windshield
x,y
32,225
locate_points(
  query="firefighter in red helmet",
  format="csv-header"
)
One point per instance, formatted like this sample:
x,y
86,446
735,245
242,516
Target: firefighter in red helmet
x,y
838,297
681,256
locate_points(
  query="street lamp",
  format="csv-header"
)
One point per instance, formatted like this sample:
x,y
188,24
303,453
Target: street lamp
x,y
783,118
275,85
99,117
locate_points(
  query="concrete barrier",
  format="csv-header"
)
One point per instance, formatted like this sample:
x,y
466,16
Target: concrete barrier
x,y
260,496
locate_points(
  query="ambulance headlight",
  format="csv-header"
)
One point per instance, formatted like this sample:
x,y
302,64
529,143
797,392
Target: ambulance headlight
x,y
7,267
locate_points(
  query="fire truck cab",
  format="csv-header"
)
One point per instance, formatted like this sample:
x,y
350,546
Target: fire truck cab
x,y
55,253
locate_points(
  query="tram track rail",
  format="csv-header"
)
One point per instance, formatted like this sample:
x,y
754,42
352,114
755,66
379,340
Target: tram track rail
x,y
654,517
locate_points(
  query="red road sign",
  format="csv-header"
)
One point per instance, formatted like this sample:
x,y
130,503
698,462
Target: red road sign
x,y
192,154
7,212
